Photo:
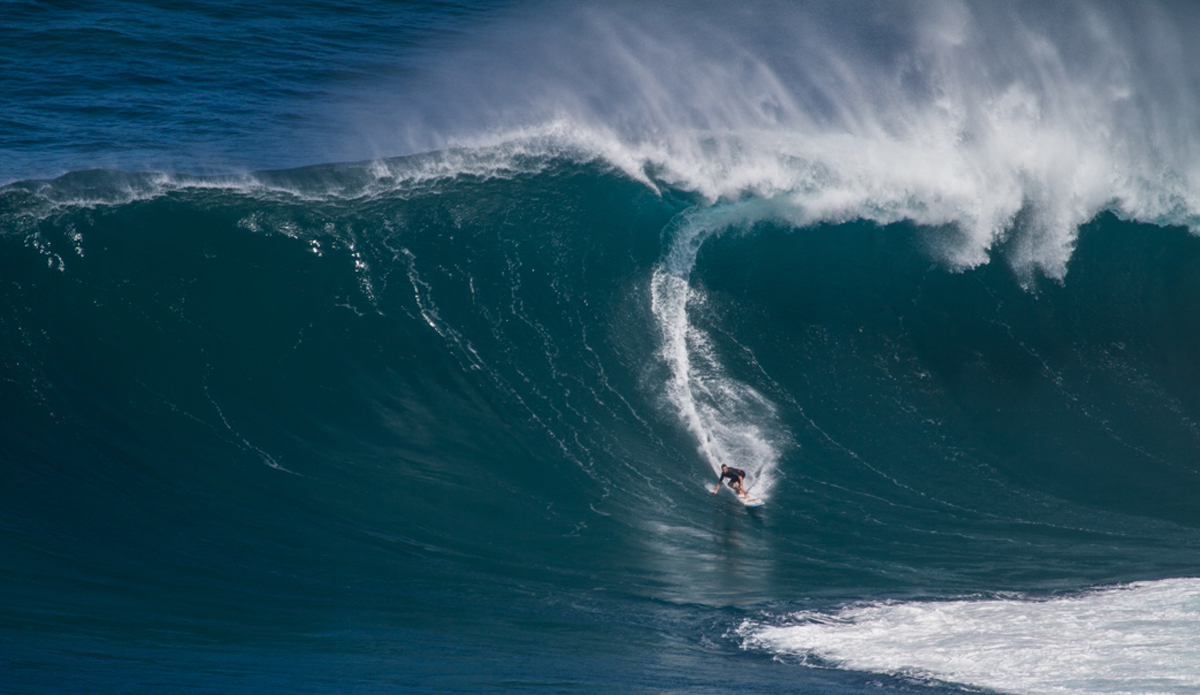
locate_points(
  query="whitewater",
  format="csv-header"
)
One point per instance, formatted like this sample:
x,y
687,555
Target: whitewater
x,y
1132,639
373,348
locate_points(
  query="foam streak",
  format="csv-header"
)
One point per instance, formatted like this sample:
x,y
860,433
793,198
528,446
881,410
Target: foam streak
x,y
733,423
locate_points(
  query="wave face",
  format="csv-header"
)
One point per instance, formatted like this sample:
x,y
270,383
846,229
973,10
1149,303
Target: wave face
x,y
449,421
255,395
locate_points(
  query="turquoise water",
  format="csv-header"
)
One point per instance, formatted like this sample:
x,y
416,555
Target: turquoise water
x,y
446,419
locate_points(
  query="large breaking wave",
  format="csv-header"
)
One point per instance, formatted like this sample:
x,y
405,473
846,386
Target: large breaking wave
x,y
927,272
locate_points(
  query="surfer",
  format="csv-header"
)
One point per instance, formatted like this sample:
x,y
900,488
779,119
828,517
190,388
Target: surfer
x,y
736,476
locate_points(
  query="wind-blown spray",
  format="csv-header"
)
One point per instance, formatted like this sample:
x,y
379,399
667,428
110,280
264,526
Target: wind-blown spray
x,y
1011,124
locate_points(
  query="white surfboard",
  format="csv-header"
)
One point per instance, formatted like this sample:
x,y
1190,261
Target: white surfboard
x,y
749,500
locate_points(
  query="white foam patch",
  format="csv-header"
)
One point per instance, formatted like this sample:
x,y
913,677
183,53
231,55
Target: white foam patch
x,y
1139,639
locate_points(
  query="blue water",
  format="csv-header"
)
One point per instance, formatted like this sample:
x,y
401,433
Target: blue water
x,y
396,348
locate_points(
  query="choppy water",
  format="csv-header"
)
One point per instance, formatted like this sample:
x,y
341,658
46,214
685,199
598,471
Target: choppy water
x,y
440,410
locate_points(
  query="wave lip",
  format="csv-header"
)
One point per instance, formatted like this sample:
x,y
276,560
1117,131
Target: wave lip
x,y
347,181
1138,639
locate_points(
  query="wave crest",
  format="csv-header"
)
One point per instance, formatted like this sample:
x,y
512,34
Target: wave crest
x,y
1011,125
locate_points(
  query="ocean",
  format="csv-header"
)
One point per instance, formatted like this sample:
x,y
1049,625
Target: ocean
x,y
382,347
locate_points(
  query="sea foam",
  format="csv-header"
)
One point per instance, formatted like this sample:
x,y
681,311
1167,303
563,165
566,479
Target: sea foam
x,y
1139,639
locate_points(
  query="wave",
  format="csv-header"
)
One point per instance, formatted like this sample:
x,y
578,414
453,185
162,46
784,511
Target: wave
x,y
927,272
336,391
843,357
847,275
719,379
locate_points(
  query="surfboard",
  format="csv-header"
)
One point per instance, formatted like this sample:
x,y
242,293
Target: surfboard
x,y
750,501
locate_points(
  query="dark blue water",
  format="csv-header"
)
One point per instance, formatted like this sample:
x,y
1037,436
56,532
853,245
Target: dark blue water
x,y
207,86
394,348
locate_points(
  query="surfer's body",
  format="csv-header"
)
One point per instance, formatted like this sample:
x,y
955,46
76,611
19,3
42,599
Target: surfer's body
x,y
736,477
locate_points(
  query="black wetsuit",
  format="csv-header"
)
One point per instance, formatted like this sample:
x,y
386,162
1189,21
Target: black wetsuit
x,y
733,474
